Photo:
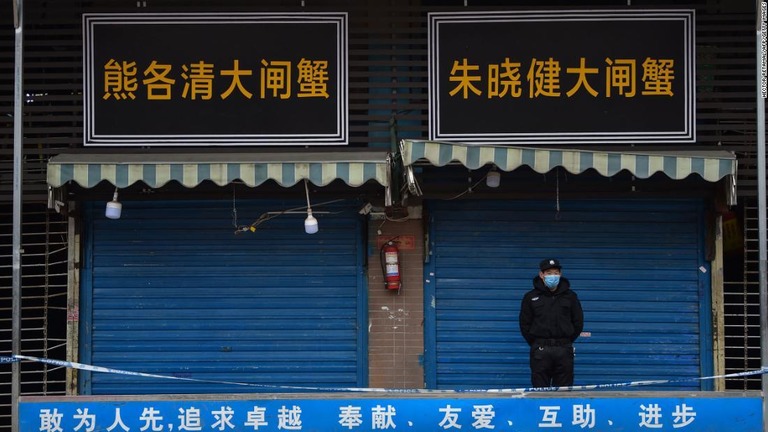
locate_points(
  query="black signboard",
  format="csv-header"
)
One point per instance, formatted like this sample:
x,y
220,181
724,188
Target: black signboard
x,y
554,77
215,79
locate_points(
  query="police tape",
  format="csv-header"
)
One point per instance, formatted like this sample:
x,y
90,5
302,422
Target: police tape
x,y
91,368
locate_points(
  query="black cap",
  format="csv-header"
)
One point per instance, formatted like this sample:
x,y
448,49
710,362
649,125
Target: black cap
x,y
549,263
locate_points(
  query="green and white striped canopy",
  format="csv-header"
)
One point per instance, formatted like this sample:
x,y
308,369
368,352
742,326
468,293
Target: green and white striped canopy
x,y
122,170
710,165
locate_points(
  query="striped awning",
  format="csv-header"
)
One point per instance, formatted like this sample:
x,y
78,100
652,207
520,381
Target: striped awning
x,y
710,165
155,170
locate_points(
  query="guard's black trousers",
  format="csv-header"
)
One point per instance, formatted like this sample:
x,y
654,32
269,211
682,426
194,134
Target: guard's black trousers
x,y
551,365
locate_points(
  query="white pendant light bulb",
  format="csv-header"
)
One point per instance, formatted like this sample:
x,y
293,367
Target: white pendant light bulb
x,y
114,208
310,223
493,179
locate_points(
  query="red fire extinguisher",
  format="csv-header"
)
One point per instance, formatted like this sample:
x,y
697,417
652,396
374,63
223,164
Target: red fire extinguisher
x,y
390,264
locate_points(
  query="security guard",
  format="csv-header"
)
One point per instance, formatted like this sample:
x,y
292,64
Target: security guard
x,y
551,319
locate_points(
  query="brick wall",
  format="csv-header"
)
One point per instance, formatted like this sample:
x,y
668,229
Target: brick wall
x,y
396,319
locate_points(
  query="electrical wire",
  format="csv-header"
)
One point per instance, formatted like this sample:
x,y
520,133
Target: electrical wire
x,y
234,208
469,189
271,215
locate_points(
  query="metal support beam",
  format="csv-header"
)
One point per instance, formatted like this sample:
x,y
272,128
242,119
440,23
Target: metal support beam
x,y
18,149
762,92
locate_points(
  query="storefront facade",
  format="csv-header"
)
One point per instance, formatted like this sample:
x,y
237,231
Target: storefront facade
x,y
208,284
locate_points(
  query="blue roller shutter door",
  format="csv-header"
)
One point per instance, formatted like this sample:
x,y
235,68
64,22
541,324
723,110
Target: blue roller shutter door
x,y
174,291
638,267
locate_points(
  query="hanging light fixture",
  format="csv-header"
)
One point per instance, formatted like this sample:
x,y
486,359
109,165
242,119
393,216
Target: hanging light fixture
x,y
114,208
310,223
493,178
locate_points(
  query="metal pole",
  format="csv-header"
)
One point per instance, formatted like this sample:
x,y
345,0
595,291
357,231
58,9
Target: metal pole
x,y
18,148
762,92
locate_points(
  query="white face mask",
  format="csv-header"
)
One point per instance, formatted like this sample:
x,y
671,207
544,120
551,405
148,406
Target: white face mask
x,y
551,281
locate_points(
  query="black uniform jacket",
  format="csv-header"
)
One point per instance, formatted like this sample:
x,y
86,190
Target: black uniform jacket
x,y
546,314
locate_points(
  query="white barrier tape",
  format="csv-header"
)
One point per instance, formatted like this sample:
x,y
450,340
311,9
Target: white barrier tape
x,y
92,368
81,366
761,371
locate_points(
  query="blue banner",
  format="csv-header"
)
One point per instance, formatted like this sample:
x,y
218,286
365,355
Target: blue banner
x,y
326,412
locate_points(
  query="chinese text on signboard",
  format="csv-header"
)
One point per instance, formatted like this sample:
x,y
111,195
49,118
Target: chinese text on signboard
x,y
562,77
416,414
189,79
